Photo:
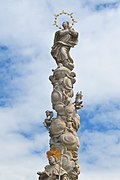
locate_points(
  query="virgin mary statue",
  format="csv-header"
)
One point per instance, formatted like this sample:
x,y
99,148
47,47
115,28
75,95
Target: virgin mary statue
x,y
64,39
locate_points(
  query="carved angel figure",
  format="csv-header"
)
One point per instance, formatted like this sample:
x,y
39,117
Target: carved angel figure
x,y
47,121
78,100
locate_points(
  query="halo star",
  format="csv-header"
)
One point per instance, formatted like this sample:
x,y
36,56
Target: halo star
x,y
64,13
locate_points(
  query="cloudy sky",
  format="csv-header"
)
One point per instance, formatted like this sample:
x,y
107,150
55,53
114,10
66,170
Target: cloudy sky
x,y
26,37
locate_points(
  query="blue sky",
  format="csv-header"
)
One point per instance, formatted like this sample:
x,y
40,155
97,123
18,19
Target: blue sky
x,y
26,37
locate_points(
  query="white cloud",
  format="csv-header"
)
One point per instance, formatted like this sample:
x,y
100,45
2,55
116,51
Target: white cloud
x,y
97,56
102,175
26,28
101,151
108,120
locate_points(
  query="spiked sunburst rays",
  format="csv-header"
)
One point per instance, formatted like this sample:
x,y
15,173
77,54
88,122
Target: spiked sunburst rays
x,y
64,13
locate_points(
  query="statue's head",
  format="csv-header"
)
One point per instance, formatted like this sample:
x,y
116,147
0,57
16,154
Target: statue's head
x,y
65,24
53,156
47,113
52,160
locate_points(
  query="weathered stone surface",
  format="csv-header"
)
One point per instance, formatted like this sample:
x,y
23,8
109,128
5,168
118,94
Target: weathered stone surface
x,y
63,41
63,128
54,170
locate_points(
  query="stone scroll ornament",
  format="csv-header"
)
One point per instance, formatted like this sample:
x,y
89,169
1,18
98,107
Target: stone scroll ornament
x,y
64,142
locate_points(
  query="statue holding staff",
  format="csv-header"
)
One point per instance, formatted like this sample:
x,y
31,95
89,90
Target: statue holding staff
x,y
53,171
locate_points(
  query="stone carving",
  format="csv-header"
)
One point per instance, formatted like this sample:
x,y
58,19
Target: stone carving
x,y
63,128
78,100
63,41
54,170
62,81
47,122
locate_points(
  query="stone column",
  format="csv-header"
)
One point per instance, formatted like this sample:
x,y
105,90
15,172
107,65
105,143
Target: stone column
x,y
64,142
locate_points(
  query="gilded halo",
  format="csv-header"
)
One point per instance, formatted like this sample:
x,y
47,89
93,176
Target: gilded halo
x,y
63,13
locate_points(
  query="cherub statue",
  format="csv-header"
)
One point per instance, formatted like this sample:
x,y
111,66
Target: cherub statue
x,y
78,100
47,121
53,171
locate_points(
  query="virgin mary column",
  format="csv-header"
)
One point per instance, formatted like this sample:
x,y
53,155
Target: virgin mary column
x,y
64,142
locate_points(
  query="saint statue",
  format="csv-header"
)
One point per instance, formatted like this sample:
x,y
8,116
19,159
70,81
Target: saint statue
x,y
63,41
53,171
